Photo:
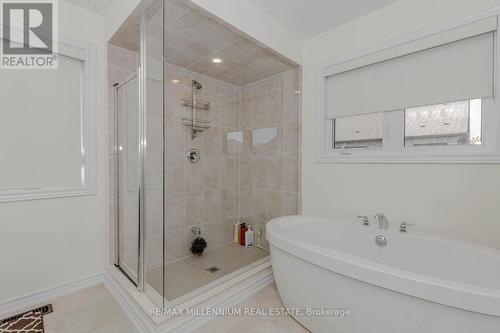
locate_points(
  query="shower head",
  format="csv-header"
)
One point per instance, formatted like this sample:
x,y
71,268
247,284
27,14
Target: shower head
x,y
197,84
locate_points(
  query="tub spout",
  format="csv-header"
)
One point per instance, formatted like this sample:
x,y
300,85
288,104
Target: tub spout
x,y
382,221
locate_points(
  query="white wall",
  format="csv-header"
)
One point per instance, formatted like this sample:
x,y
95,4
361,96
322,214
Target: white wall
x,y
459,201
117,12
45,243
256,23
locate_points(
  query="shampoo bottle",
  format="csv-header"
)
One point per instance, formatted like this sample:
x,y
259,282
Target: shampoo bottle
x,y
237,232
249,237
243,230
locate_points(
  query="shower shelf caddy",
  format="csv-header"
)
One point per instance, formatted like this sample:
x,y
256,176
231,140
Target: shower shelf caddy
x,y
199,104
197,125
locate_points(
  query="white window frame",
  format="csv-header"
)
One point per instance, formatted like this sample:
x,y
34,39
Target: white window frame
x,y
393,150
86,53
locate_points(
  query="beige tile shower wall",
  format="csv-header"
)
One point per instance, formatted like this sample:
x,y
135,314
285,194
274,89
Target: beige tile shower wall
x,y
202,194
233,179
122,64
270,153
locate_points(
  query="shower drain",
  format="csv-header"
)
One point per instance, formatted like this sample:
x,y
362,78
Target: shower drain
x,y
213,269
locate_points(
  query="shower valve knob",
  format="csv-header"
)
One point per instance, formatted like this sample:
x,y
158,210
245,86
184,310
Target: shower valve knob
x,y
193,155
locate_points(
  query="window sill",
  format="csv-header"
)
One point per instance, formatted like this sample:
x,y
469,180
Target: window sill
x,y
46,193
409,157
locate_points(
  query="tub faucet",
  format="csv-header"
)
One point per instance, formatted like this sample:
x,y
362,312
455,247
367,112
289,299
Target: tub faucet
x,y
404,226
382,221
365,220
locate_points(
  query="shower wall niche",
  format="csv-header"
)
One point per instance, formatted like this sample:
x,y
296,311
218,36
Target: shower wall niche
x,y
248,171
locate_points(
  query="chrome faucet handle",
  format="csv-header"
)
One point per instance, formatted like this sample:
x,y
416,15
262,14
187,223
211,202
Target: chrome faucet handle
x,y
404,226
365,220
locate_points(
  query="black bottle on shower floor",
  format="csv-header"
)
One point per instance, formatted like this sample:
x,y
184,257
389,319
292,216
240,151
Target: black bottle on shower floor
x,y
198,246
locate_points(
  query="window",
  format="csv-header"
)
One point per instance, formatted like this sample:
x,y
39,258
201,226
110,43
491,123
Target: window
x,y
47,126
387,106
450,124
359,131
444,124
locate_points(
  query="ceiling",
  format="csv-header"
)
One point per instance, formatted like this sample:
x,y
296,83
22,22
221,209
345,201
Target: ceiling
x,y
96,6
194,38
308,18
304,18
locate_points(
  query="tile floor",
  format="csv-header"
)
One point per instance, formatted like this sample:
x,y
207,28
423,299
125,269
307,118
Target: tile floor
x,y
94,310
265,298
191,273
90,310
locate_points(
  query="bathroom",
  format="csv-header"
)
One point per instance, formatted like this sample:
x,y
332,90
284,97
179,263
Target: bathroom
x,y
253,166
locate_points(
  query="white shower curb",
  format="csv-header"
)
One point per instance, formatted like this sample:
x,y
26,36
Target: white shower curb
x,y
137,305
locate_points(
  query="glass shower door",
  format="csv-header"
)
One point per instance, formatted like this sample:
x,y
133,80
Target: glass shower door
x,y
127,186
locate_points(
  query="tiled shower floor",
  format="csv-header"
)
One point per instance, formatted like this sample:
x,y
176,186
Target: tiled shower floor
x,y
191,273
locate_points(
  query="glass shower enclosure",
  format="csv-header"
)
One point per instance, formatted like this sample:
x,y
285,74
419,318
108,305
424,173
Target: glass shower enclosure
x,y
207,135
140,169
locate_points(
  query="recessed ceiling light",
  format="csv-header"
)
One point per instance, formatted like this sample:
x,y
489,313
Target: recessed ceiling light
x,y
175,81
217,60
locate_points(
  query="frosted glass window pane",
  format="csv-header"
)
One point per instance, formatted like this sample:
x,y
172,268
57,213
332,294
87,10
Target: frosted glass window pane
x,y
456,123
359,131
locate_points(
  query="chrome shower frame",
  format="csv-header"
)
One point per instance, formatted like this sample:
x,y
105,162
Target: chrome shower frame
x,y
141,147
116,149
142,151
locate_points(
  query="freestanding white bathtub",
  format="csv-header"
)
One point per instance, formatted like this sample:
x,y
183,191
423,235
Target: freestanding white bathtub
x,y
416,283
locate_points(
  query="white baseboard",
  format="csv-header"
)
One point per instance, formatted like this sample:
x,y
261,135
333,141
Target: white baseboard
x,y
39,298
136,314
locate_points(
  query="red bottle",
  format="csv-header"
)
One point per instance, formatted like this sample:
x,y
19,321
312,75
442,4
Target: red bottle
x,y
243,230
